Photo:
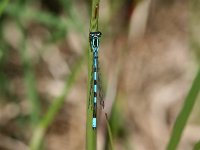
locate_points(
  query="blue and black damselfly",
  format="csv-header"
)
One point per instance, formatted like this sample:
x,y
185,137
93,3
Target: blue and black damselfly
x,y
95,90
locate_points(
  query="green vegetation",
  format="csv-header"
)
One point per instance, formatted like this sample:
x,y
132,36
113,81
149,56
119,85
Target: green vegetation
x,y
23,14
197,146
30,82
192,96
3,5
110,133
184,114
43,125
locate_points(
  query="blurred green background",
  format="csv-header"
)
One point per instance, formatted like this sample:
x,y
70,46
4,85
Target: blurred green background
x,y
147,60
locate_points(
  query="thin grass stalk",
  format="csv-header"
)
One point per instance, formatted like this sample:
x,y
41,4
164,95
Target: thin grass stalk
x,y
91,134
184,114
40,130
29,80
109,133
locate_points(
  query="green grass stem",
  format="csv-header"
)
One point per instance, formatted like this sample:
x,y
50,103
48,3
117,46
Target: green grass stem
x,y
40,130
184,114
109,133
30,82
91,135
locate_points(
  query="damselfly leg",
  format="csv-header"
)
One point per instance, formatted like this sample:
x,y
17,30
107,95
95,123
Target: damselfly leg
x,y
101,91
91,89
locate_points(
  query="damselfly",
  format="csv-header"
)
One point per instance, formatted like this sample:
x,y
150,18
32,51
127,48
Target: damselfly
x,y
95,79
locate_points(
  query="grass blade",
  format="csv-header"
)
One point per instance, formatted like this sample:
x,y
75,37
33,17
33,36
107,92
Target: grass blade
x,y
29,80
40,130
183,116
109,133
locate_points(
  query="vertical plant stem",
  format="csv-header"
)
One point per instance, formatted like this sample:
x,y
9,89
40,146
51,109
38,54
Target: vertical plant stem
x,y
184,114
91,135
30,81
109,133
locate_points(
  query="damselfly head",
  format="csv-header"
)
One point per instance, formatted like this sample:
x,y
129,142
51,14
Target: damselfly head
x,y
96,34
94,40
